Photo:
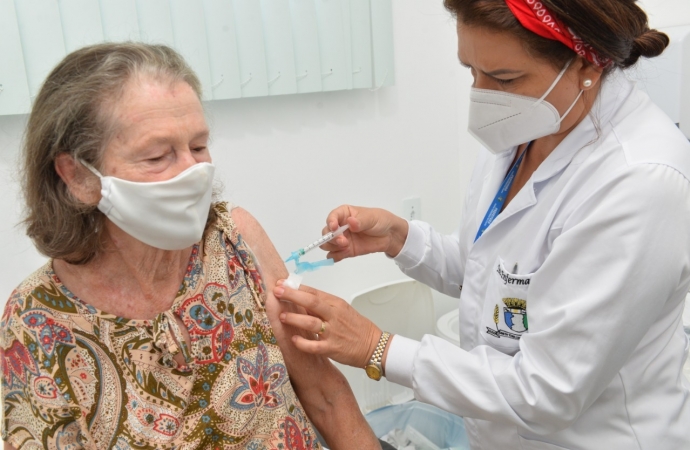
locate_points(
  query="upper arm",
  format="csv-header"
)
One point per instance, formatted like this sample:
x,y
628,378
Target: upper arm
x,y
271,269
330,404
270,264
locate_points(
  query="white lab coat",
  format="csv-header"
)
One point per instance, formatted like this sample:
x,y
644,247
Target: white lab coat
x,y
571,302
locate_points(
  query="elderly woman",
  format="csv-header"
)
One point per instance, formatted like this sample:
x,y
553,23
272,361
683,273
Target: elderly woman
x,y
150,326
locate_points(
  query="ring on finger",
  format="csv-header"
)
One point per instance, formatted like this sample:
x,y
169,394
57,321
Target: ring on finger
x,y
322,329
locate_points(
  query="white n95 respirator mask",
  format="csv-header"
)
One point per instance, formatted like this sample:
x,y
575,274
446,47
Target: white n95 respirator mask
x,y
169,215
501,121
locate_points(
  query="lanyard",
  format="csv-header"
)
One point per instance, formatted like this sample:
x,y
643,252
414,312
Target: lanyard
x,y
500,199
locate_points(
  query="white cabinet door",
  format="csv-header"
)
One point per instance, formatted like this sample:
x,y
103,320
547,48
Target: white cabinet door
x,y
360,22
382,34
336,66
305,32
14,89
120,21
189,31
81,23
280,52
251,48
155,24
222,49
43,45
238,48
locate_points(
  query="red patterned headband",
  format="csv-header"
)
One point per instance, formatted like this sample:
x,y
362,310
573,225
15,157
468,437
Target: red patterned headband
x,y
534,16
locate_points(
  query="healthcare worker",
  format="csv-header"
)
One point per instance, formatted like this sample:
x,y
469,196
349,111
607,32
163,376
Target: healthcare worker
x,y
572,260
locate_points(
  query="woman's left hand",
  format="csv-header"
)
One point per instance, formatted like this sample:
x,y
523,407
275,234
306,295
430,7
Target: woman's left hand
x,y
347,336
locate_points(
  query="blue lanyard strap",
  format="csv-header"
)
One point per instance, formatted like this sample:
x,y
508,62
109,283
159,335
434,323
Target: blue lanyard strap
x,y
500,199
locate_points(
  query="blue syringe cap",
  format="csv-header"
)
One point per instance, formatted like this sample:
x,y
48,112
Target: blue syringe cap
x,y
294,256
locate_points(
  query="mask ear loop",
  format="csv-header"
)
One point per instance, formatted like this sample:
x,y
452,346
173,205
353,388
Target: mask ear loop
x,y
571,107
91,168
553,85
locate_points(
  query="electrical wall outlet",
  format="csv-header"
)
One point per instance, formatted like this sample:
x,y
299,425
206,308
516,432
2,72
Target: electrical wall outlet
x,y
412,208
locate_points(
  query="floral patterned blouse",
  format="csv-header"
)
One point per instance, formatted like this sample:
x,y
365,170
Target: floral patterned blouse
x,y
74,377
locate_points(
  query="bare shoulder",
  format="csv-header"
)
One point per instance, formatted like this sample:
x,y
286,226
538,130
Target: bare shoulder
x,y
271,265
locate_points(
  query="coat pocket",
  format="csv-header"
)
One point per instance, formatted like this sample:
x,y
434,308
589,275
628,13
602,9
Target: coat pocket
x,y
504,315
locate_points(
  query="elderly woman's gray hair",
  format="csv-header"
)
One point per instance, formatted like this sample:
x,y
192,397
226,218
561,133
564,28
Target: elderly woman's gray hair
x,y
73,114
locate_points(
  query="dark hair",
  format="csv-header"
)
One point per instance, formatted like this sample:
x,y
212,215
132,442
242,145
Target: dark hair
x,y
616,29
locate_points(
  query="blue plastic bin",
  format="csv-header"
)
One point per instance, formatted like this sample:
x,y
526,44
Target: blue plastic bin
x,y
442,428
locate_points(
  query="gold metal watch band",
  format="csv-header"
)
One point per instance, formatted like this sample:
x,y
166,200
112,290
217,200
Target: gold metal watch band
x,y
380,347
374,369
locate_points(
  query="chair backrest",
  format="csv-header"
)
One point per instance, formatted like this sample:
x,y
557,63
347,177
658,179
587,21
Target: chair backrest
x,y
404,307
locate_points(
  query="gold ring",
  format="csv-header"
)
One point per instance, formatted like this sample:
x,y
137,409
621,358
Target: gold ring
x,y
323,328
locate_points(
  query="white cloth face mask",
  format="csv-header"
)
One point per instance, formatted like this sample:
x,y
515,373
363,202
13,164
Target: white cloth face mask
x,y
501,121
169,215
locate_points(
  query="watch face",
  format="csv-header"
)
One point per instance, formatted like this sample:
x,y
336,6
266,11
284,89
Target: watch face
x,y
373,372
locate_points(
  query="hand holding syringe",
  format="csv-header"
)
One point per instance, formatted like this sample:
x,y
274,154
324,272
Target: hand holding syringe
x,y
294,280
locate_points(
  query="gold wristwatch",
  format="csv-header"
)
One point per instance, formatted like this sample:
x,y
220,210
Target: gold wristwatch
x,y
373,367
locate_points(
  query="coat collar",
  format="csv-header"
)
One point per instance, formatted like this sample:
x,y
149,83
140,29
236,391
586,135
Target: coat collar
x,y
613,94
615,90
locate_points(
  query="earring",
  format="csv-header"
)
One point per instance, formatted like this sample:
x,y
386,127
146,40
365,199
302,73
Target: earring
x,y
587,83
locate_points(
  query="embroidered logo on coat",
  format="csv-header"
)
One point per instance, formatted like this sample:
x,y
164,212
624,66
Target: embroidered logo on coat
x,y
514,316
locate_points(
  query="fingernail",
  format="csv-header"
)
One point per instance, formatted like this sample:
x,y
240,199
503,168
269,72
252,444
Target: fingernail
x,y
282,317
280,282
278,291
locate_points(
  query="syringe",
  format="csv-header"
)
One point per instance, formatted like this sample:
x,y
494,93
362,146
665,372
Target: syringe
x,y
319,242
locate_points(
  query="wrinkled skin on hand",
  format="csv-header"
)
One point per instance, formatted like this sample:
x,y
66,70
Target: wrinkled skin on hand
x,y
348,338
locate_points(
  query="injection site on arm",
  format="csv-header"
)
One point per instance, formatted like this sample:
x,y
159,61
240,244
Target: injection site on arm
x,y
295,280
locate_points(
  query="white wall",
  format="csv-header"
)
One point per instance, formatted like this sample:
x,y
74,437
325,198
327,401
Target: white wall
x,y
667,13
290,160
